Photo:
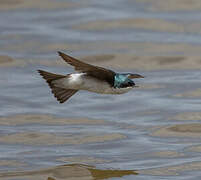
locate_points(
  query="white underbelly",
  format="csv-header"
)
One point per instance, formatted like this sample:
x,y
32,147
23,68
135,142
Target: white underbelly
x,y
82,82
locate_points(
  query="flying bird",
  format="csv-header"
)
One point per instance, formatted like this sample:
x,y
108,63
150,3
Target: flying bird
x,y
88,77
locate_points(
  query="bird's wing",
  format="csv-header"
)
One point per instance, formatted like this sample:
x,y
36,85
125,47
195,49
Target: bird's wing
x,y
133,76
95,71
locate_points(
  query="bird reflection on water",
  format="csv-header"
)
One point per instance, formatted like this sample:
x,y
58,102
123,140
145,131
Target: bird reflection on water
x,y
69,171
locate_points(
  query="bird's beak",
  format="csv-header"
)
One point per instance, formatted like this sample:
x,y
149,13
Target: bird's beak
x,y
133,76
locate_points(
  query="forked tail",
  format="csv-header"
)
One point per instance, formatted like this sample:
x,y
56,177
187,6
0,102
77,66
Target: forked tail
x,y
60,93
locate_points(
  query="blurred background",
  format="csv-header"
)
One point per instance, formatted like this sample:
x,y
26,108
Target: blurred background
x,y
153,132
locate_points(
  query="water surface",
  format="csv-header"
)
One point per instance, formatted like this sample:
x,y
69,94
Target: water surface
x,y
154,130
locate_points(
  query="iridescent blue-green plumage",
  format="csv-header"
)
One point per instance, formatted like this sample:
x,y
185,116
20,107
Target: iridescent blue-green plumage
x,y
122,80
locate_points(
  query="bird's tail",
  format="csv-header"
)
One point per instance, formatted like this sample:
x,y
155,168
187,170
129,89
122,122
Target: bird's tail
x,y
49,77
60,93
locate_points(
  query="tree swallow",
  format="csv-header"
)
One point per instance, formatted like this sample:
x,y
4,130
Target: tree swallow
x,y
88,77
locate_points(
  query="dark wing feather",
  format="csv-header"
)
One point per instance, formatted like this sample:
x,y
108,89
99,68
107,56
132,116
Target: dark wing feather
x,y
133,76
62,95
95,71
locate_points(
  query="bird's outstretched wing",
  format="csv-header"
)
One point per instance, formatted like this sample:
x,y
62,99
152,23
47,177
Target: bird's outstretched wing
x,y
95,71
133,76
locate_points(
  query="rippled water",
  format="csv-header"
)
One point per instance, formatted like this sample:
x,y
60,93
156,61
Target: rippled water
x,y
145,130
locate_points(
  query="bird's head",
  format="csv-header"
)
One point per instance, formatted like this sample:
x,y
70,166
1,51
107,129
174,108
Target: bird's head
x,y
125,80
